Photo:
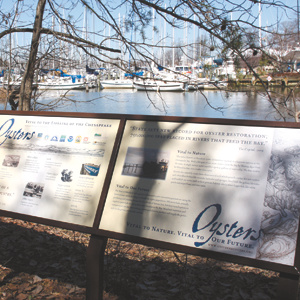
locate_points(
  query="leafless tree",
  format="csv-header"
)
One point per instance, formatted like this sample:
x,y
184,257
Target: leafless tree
x,y
232,28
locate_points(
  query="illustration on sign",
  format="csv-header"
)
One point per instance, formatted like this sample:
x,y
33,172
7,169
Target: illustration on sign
x,y
282,205
11,161
90,169
33,189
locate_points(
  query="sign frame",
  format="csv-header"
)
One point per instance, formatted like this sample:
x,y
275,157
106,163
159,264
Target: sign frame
x,y
289,274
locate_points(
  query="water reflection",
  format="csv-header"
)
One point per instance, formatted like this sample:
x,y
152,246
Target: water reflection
x,y
245,104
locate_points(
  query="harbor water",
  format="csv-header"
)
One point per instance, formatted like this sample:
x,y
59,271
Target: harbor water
x,y
248,105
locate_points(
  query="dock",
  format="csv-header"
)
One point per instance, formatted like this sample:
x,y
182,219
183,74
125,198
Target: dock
x,y
287,79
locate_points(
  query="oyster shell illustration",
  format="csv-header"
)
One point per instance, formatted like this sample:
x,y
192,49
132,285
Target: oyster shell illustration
x,y
276,247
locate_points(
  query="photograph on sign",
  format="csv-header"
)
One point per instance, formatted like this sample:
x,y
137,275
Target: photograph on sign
x,y
148,163
224,188
54,167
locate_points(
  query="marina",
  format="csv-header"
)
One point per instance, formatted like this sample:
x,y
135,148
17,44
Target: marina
x,y
163,93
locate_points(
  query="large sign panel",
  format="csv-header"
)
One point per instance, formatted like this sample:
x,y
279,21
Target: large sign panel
x,y
54,167
230,189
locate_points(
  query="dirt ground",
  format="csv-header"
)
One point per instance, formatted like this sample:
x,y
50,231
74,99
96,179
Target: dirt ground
x,y
43,262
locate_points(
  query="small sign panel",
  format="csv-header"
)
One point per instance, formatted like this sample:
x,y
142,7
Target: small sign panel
x,y
54,167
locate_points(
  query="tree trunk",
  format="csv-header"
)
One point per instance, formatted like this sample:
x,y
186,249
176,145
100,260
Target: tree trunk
x,y
27,80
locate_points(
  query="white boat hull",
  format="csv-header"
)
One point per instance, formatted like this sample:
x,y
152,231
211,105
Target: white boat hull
x,y
16,85
117,84
61,86
159,86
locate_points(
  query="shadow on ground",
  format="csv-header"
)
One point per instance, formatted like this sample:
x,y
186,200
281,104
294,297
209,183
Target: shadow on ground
x,y
43,262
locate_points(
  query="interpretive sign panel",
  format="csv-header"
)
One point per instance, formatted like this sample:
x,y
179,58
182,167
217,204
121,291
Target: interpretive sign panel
x,y
224,188
54,168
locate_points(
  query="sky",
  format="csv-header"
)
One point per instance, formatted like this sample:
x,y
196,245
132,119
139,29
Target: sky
x,y
269,16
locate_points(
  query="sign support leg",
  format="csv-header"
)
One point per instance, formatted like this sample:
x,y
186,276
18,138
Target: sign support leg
x,y
95,265
288,287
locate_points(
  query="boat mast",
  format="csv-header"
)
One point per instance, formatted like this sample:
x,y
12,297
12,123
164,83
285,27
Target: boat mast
x,y
86,32
194,48
165,34
129,58
186,38
94,35
298,21
173,42
259,22
53,27
153,21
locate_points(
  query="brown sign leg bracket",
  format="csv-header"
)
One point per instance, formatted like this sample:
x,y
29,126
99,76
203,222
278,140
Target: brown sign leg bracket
x,y
288,287
95,264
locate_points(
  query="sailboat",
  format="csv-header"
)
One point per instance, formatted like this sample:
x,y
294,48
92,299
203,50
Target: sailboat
x,y
62,82
124,82
159,86
117,84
